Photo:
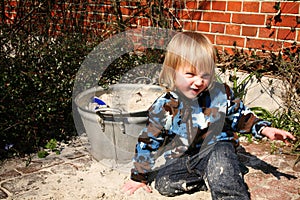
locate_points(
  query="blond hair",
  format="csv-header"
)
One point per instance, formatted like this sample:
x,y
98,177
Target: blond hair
x,y
192,48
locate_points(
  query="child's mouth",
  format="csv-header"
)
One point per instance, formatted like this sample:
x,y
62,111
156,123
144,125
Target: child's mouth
x,y
196,91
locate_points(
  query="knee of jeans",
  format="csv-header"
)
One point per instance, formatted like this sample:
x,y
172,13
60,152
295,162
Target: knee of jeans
x,y
162,185
224,153
223,160
223,166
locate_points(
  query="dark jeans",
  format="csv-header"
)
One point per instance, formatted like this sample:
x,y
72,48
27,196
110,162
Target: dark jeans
x,y
220,168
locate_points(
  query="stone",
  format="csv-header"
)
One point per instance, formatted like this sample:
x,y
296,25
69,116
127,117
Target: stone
x,y
25,183
3,194
82,163
9,174
38,164
266,92
75,154
65,169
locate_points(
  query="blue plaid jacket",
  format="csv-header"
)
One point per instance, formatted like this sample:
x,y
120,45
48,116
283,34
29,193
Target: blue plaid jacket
x,y
179,126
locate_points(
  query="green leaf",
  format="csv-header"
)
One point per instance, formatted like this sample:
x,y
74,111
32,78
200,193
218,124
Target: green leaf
x,y
52,144
42,154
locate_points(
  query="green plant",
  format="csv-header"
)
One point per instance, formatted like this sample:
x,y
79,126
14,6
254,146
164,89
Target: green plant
x,y
273,148
239,61
52,144
284,65
286,120
38,67
42,154
40,57
36,80
239,87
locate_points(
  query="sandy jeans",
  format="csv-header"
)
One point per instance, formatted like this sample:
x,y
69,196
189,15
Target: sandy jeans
x,y
220,168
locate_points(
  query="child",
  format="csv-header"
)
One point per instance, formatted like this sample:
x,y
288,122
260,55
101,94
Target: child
x,y
192,126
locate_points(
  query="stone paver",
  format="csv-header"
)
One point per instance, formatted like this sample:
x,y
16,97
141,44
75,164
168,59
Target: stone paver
x,y
270,177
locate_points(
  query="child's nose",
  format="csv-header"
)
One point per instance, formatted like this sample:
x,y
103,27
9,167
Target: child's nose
x,y
198,80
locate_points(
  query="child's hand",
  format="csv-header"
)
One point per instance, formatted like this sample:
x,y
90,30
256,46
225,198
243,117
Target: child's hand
x,y
277,134
131,186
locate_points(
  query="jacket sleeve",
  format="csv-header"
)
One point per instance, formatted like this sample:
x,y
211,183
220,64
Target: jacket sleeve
x,y
241,118
151,138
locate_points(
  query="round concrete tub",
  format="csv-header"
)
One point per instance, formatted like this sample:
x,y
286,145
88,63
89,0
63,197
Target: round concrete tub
x,y
113,131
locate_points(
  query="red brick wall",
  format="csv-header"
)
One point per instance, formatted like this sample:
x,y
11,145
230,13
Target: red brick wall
x,y
250,24
247,24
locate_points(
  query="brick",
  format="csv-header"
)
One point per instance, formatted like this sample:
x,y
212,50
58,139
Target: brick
x,y
202,4
91,1
206,5
249,31
248,19
11,15
266,33
125,3
234,6
94,25
105,9
90,16
13,3
106,1
184,14
217,28
189,25
287,21
219,5
263,44
233,29
229,50
201,26
126,11
144,22
86,23
142,14
177,25
268,7
90,8
168,4
286,34
290,45
219,49
111,18
250,6
143,2
191,5
286,7
216,17
211,38
178,4
290,7
229,40
197,15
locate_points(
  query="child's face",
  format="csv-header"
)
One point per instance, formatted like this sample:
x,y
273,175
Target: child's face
x,y
191,82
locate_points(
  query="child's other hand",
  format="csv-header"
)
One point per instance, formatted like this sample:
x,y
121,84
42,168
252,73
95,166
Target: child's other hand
x,y
131,186
277,134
